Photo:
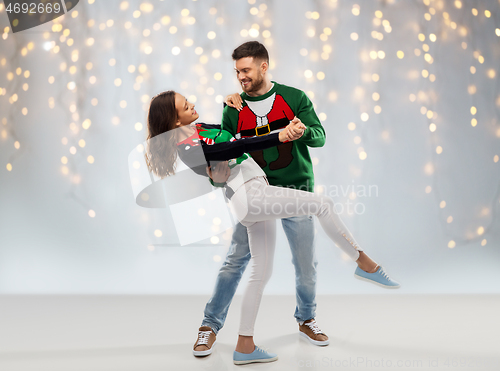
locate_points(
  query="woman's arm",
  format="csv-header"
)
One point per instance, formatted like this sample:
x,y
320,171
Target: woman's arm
x,y
229,150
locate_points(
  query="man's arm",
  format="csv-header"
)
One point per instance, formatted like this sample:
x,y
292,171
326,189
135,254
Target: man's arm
x,y
229,120
315,135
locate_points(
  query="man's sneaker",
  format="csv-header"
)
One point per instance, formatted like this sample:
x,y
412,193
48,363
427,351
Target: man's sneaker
x,y
257,356
205,342
310,330
379,278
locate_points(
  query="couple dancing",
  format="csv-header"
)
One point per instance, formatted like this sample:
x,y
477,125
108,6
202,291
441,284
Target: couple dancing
x,y
276,124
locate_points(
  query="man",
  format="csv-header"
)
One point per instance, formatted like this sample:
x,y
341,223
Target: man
x,y
268,107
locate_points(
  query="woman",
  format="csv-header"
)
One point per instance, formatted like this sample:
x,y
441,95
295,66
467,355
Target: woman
x,y
255,203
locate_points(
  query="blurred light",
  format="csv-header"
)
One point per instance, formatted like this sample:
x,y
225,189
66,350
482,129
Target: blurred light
x,y
452,243
355,9
211,35
429,168
351,126
364,117
491,73
158,233
400,54
428,189
362,155
375,96
473,110
432,127
473,122
90,159
138,126
487,13
354,36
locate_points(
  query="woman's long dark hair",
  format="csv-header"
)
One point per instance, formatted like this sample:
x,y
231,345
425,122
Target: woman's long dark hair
x,y
161,152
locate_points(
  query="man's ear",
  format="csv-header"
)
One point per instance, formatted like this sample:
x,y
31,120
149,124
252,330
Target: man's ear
x,y
264,66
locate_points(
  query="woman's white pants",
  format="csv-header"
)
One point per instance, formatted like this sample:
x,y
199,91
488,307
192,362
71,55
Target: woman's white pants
x,y
257,205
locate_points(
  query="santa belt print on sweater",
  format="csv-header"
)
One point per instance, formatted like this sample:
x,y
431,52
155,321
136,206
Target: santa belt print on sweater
x,y
266,129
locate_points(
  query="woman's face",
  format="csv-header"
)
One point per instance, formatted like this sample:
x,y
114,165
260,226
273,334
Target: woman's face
x,y
186,113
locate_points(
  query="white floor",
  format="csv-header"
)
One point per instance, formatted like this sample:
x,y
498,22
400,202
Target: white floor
x,y
397,332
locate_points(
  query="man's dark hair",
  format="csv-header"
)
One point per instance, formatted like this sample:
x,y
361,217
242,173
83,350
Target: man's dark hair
x,y
251,49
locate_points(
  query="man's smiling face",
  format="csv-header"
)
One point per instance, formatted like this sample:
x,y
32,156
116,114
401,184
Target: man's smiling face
x,y
250,73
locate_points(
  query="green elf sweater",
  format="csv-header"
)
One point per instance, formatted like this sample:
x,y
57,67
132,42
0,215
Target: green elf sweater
x,y
288,165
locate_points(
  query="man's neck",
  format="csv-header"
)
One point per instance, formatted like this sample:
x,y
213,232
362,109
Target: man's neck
x,y
265,88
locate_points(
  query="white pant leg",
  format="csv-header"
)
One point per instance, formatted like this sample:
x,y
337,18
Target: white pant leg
x,y
262,240
257,201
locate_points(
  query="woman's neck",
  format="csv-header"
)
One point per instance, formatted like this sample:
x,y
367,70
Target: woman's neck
x,y
186,131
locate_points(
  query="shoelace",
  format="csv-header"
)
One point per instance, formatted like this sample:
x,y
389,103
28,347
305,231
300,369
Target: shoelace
x,y
203,337
314,327
384,274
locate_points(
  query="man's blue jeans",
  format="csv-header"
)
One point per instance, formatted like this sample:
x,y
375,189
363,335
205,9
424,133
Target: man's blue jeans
x,y
299,231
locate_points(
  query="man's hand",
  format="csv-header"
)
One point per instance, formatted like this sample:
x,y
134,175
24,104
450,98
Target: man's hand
x,y
293,131
220,173
235,101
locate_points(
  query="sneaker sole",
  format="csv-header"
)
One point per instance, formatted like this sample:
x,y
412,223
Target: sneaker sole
x,y
255,361
375,282
315,342
203,353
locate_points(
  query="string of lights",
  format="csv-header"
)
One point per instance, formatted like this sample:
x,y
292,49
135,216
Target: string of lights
x,y
160,37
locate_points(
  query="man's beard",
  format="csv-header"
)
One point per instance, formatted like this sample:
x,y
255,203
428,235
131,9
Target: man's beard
x,y
255,85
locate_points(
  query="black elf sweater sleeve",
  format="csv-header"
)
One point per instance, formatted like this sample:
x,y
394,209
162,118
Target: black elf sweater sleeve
x,y
191,155
229,150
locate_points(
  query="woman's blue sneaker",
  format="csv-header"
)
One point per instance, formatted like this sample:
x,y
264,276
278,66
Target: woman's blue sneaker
x,y
258,355
379,278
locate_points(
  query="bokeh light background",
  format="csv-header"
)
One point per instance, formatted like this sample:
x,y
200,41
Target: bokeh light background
x,y
408,93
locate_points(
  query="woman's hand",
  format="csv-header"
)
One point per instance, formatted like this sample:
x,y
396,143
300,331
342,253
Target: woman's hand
x,y
293,131
220,173
235,101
